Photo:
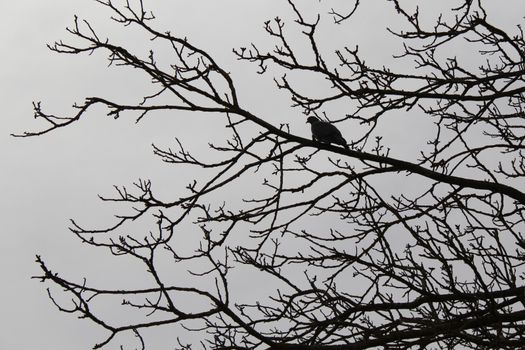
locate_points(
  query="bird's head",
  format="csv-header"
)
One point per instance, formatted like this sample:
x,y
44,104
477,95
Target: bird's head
x,y
312,120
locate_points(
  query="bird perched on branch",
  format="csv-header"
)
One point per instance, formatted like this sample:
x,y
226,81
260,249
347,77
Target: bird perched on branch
x,y
325,132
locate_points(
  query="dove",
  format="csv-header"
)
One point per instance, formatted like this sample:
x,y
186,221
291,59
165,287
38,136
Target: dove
x,y
325,132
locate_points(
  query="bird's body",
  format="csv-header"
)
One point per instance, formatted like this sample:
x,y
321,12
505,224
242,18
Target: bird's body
x,y
325,132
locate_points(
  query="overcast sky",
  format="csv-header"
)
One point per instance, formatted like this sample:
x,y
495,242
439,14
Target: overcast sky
x,y
45,181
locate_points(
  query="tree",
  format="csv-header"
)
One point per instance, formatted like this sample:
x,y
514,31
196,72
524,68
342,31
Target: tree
x,y
359,249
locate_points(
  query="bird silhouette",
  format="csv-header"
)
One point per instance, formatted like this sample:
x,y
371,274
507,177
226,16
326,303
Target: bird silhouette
x,y
325,132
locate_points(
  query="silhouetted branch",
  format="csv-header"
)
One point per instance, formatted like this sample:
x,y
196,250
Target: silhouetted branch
x,y
352,256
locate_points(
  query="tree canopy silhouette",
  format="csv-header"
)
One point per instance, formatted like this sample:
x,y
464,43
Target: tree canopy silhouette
x,y
359,248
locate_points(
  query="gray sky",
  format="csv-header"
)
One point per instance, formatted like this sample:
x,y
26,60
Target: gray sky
x,y
45,181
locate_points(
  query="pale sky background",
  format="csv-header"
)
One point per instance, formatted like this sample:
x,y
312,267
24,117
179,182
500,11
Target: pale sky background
x,y
45,181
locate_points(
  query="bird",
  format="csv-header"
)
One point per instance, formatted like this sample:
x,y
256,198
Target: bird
x,y
325,132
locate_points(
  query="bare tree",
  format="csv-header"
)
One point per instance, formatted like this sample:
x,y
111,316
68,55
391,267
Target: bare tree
x,y
353,262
